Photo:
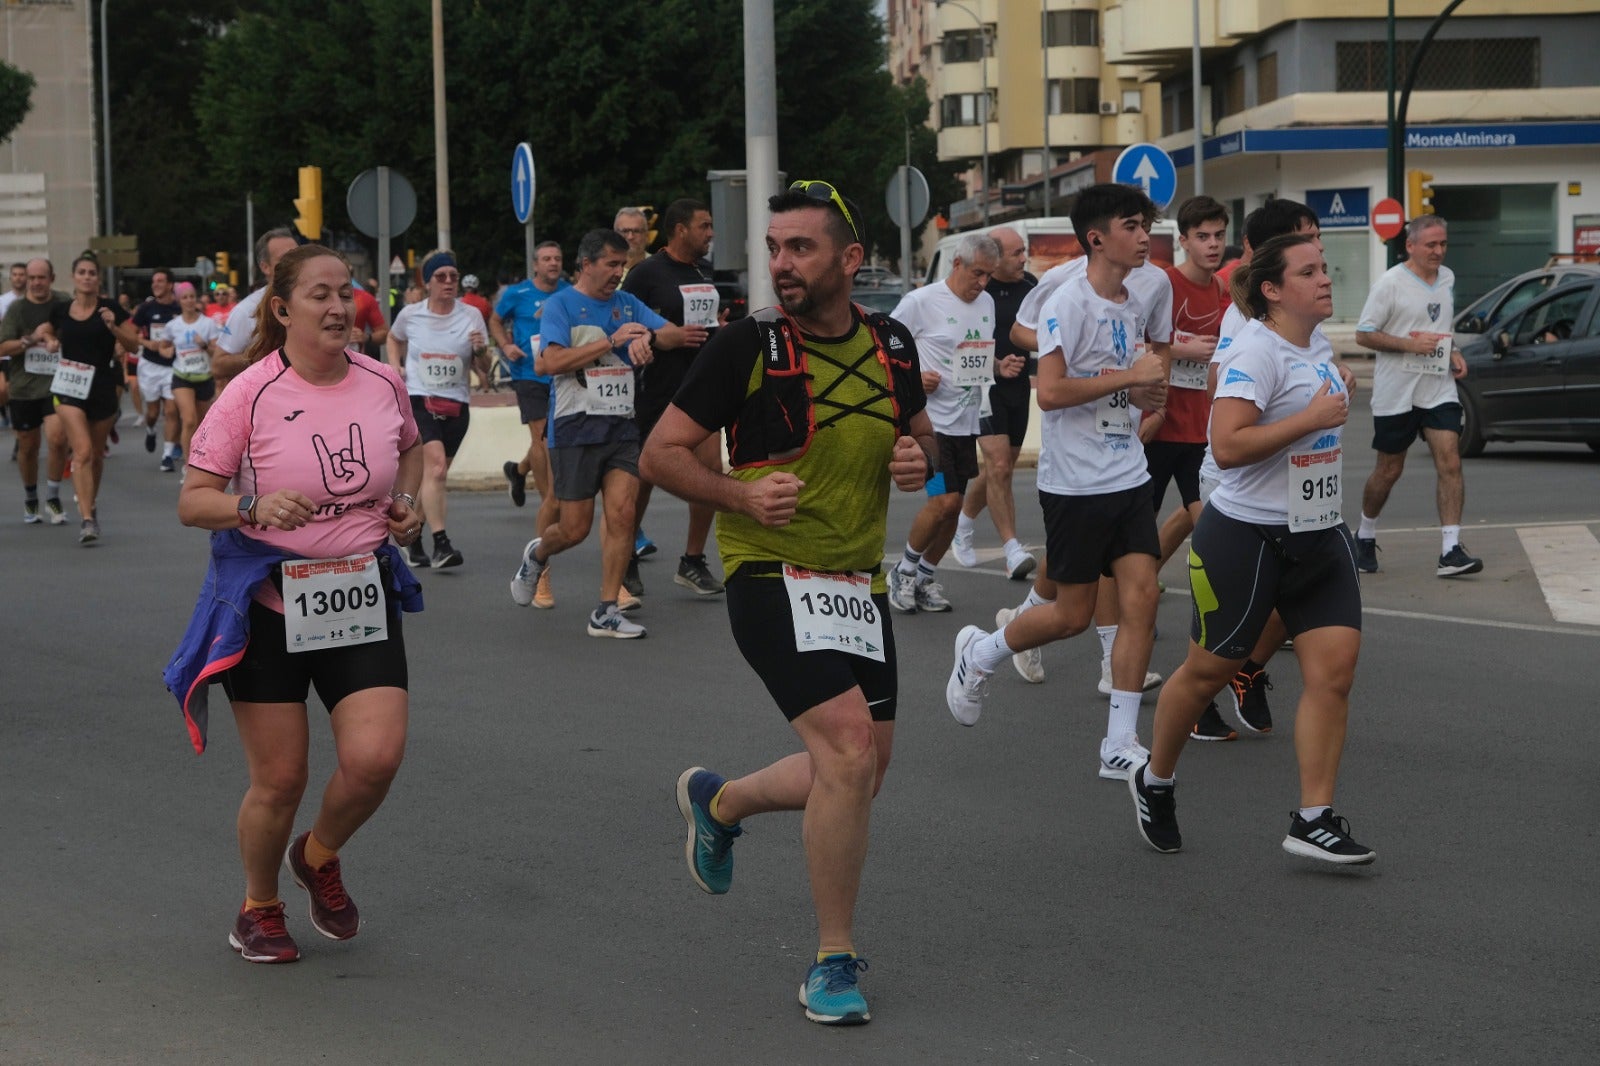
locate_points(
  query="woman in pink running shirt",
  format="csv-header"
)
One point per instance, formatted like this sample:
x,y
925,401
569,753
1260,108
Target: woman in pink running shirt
x,y
311,459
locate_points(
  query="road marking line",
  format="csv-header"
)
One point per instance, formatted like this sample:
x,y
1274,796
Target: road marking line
x,y
1566,560
1384,531
1529,627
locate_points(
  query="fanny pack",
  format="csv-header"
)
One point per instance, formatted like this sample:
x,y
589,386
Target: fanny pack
x,y
439,407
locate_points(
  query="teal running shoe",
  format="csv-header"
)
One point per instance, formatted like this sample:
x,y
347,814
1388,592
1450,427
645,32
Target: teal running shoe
x,y
709,848
830,995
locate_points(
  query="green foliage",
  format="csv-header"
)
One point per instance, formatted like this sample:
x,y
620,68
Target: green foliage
x,y
626,102
16,92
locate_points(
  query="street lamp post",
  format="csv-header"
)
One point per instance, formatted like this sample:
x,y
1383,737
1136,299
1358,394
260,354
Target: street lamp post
x,y
983,116
105,134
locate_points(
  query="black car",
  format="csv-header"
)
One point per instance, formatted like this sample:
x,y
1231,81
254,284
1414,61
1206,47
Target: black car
x,y
874,298
1513,294
1536,374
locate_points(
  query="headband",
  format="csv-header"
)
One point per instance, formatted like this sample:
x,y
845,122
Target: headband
x,y
434,262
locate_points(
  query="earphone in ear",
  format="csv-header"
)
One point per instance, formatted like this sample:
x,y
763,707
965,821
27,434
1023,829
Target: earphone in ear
x,y
283,312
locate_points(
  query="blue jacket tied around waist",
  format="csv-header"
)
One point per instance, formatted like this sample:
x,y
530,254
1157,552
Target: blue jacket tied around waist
x,y
219,630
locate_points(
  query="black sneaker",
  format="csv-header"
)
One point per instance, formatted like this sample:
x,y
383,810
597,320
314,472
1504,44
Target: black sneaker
x,y
695,575
416,556
631,580
150,438
1456,562
1249,695
1211,726
1156,809
445,554
1327,838
518,483
1367,555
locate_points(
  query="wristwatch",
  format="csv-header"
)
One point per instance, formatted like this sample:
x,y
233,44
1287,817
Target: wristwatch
x,y
247,506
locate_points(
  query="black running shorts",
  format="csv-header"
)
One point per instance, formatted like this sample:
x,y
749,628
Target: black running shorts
x,y
1240,572
1171,460
1084,535
763,627
1393,434
448,430
268,673
1008,415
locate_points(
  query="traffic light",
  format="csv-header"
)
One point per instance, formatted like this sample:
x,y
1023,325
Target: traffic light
x,y
651,221
309,204
222,263
1419,185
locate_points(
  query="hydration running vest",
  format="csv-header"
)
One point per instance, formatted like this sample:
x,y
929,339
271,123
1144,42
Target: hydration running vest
x,y
779,418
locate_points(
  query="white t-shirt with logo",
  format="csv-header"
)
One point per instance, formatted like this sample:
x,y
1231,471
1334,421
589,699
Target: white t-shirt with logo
x,y
189,359
1280,379
1150,283
241,324
1399,303
1092,449
946,328
438,348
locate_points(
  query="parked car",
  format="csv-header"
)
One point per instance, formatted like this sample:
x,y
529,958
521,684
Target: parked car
x,y
876,275
1536,374
734,298
1513,294
875,298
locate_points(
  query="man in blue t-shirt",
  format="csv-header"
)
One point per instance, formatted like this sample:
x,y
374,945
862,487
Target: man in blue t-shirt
x,y
591,339
521,307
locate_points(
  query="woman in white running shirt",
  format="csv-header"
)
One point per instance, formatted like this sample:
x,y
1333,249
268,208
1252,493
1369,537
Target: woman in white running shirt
x,y
1272,536
433,343
187,341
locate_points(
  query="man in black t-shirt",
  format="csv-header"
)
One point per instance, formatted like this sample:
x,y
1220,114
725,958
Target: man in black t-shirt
x,y
155,369
676,283
1005,415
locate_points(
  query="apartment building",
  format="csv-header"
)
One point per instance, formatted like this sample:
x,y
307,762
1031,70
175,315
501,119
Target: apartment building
x,y
1505,117
48,166
996,71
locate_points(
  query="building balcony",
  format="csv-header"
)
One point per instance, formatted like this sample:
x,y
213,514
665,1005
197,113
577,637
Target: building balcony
x,y
966,142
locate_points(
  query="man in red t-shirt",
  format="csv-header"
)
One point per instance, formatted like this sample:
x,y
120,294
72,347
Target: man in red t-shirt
x,y
370,328
1175,436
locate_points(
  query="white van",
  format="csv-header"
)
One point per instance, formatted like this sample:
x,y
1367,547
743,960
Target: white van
x,y
1051,241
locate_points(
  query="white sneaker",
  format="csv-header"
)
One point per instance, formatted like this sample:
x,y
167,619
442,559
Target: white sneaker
x,y
614,624
930,597
1151,679
902,590
1030,663
968,686
961,548
527,576
1020,565
1118,760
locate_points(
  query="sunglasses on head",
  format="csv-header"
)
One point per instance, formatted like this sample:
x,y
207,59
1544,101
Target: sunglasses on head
x,y
822,192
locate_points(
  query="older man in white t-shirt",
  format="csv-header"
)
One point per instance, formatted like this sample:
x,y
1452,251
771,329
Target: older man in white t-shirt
x,y
953,323
240,328
1407,321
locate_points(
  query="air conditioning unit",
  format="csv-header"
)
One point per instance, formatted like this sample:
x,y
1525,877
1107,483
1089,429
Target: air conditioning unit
x,y
1108,107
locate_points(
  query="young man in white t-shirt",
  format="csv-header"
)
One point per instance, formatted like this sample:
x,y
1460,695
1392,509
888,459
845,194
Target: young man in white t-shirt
x,y
1407,321
953,323
1094,369
1150,284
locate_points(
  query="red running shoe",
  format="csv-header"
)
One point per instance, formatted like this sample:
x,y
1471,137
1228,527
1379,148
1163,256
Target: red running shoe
x,y
333,912
259,935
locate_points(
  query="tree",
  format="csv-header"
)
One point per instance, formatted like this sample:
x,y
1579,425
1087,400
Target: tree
x,y
627,102
16,98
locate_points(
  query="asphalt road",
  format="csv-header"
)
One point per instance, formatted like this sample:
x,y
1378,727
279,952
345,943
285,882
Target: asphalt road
x,y
523,888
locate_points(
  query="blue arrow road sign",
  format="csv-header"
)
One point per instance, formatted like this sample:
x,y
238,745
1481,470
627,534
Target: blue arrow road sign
x,y
1151,169
522,182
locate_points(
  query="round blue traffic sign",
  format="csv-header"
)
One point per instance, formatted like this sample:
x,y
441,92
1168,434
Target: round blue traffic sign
x,y
522,182
1151,169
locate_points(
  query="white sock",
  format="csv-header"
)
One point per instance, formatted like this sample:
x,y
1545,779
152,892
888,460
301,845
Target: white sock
x,y
1311,814
1108,637
987,653
170,450
909,560
1369,528
1012,547
1152,781
1033,600
963,524
52,489
925,571
1124,717
1452,537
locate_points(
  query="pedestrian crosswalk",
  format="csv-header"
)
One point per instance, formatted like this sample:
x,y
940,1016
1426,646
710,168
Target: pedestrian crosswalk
x,y
1566,560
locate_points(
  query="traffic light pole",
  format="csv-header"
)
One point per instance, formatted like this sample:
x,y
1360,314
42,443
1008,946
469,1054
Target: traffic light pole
x,y
1397,124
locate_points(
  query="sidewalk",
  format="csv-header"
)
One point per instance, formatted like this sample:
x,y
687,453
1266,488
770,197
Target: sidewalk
x,y
497,432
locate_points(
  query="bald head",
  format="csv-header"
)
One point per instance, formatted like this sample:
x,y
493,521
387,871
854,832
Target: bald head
x,y
40,276
1013,254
